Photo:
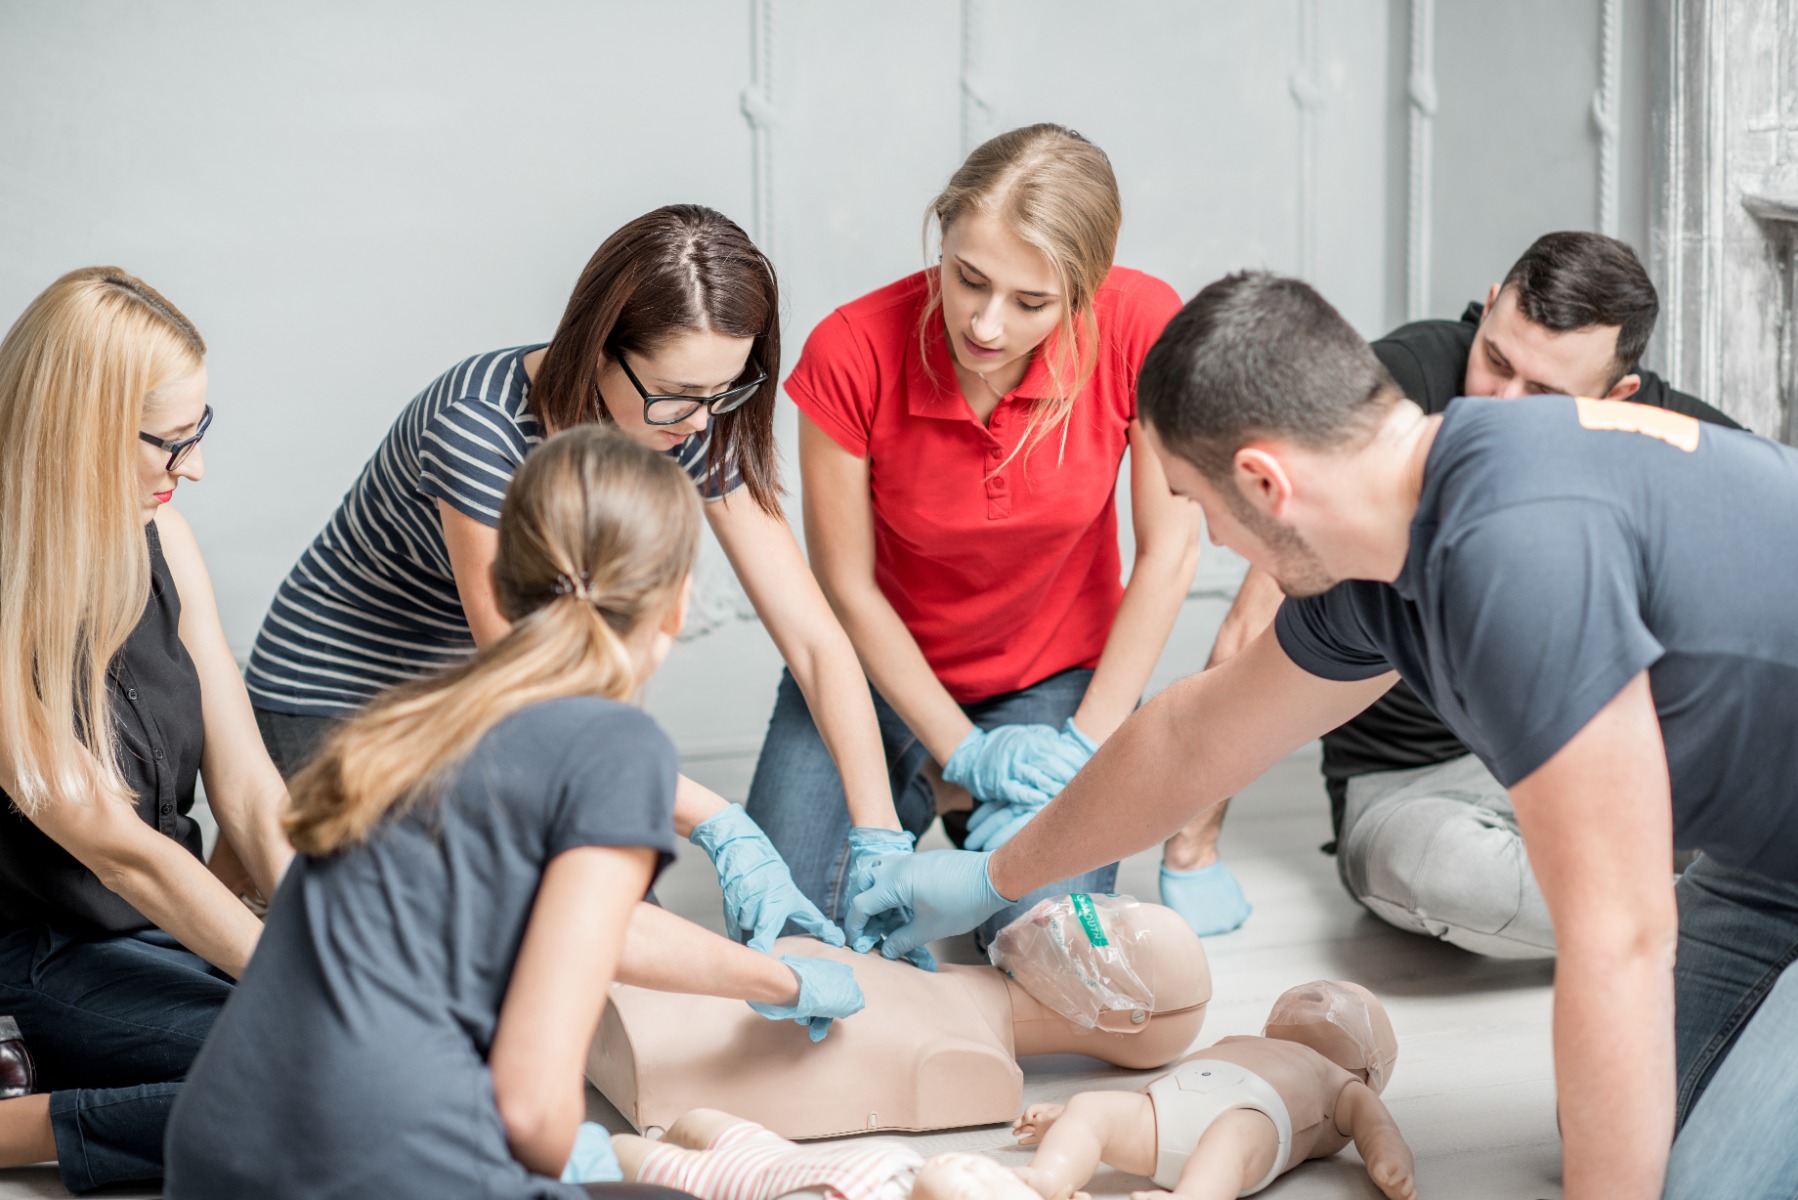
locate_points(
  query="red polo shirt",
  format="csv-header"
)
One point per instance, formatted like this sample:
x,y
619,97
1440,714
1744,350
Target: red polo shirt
x,y
1003,579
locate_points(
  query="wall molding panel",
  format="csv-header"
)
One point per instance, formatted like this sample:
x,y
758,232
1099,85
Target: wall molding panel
x,y
1607,104
1307,93
1421,94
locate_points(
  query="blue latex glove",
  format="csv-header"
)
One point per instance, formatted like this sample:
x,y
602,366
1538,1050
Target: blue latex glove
x,y
1024,764
996,822
946,891
592,1160
867,846
827,990
760,896
1208,899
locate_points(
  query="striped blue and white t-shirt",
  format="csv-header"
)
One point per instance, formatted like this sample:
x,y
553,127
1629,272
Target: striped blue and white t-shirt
x,y
373,602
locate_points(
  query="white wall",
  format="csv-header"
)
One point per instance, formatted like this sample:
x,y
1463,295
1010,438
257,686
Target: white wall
x,y
348,197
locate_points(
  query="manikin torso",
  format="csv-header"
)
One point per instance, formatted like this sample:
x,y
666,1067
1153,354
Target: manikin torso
x,y
1309,1084
932,1050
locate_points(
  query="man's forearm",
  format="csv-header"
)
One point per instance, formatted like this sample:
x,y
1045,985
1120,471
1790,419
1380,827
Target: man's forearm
x,y
1614,1071
1196,743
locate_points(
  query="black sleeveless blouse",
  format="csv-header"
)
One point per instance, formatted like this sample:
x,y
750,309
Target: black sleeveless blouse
x,y
155,695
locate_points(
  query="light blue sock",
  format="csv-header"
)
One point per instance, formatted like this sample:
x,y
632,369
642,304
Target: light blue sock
x,y
1208,899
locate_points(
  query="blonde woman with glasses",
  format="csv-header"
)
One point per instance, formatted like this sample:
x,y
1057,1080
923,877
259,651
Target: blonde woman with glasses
x,y
118,693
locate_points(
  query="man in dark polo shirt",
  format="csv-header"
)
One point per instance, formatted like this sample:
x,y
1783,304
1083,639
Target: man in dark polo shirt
x,y
1596,596
1426,838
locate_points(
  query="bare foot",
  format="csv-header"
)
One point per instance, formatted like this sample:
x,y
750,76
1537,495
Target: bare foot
x,y
1030,1128
1157,1194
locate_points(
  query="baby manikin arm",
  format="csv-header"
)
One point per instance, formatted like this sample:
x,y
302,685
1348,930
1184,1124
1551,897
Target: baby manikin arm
x,y
1363,1116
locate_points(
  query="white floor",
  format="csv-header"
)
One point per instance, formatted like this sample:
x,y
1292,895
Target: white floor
x,y
1473,1090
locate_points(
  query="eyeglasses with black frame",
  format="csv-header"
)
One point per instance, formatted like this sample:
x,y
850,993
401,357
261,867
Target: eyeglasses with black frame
x,y
180,448
672,410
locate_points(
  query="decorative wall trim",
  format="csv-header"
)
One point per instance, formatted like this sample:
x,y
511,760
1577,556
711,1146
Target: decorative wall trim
x,y
976,103
1726,119
1607,106
1307,93
758,109
1421,91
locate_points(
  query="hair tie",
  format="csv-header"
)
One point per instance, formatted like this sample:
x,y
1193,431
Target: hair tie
x,y
566,585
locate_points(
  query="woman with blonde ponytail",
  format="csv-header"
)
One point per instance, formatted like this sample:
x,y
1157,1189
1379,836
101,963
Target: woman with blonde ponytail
x,y
473,848
118,693
960,438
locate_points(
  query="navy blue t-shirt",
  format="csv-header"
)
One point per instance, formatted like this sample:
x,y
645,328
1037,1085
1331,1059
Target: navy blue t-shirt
x,y
352,1059
1559,548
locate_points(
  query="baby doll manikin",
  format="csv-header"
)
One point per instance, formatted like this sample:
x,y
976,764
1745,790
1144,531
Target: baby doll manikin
x,y
716,1156
932,1050
1230,1118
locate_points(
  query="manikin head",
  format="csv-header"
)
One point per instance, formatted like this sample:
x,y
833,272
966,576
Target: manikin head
x,y
1264,405
1571,318
1342,1021
1105,961
959,1176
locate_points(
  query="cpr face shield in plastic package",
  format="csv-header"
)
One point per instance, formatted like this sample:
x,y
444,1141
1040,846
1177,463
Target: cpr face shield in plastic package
x,y
1344,1022
1081,957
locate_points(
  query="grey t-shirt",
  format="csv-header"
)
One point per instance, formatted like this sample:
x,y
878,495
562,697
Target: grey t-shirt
x,y
1559,548
352,1060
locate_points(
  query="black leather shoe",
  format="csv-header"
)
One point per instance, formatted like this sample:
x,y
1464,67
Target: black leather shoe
x,y
18,1077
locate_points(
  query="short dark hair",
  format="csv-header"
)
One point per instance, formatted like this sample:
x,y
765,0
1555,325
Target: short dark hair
x,y
1257,355
1575,280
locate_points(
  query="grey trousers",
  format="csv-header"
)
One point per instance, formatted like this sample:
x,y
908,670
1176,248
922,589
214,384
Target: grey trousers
x,y
1436,850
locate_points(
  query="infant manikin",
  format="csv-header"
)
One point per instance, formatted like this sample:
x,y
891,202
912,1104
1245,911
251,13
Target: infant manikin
x,y
716,1156
932,1050
1230,1118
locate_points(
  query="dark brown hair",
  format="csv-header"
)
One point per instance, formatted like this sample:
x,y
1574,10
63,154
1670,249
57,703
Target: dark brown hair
x,y
683,268
1577,280
1260,355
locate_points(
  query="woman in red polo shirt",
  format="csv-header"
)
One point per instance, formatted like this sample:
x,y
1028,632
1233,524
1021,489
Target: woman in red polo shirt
x,y
961,433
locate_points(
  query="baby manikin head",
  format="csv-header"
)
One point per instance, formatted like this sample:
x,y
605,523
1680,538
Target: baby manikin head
x,y
959,1176
1342,1021
1105,961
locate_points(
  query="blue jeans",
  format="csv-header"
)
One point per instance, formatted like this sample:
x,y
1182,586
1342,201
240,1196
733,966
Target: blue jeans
x,y
1736,1020
113,1024
797,796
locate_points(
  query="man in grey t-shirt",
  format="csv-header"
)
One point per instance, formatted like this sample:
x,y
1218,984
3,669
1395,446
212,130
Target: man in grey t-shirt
x,y
1596,597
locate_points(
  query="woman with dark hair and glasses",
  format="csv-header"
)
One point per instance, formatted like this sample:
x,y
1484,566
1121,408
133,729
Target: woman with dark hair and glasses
x,y
118,694
672,336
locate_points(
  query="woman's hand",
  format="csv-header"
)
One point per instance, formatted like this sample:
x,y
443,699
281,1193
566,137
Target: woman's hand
x,y
827,990
760,896
866,848
1023,764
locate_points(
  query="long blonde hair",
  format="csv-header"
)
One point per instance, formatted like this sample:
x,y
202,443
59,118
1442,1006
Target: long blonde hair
x,y
75,371
1055,191
596,536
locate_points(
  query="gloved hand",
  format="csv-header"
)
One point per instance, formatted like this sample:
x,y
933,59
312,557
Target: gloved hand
x,y
946,891
592,1160
827,990
760,896
867,846
996,822
1019,763
1209,899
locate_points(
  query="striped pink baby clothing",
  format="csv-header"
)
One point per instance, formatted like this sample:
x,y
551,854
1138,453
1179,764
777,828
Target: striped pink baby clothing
x,y
749,1162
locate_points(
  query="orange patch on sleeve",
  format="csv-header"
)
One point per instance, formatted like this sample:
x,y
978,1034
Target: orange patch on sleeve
x,y
1620,416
